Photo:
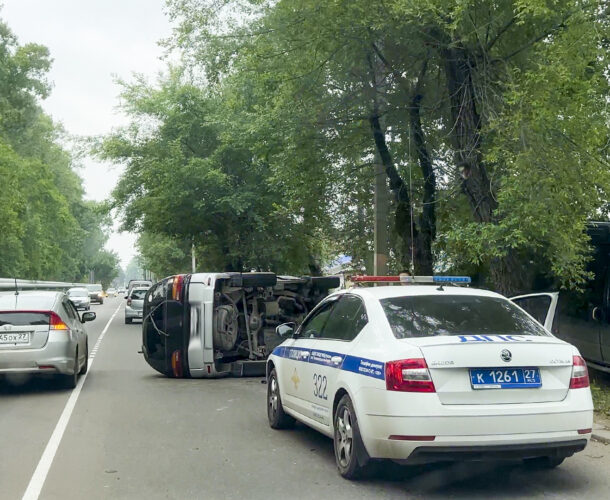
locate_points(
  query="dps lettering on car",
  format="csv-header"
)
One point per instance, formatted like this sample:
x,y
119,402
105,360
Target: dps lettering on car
x,y
468,379
494,338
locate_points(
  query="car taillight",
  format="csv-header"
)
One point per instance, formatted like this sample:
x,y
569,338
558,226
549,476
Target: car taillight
x,y
177,364
128,302
408,375
56,323
580,374
177,286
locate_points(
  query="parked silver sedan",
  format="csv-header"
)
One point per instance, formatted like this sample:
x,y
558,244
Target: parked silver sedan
x,y
135,304
41,332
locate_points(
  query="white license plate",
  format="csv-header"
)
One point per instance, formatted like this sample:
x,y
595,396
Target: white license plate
x,y
15,338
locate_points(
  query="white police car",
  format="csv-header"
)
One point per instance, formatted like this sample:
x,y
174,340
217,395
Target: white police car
x,y
420,374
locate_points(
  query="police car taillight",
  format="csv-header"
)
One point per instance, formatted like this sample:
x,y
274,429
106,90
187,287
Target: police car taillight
x,y
580,374
408,375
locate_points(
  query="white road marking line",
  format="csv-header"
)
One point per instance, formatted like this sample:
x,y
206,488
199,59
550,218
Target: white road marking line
x,y
36,483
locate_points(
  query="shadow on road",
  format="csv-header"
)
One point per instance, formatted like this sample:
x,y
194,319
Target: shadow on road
x,y
15,385
455,479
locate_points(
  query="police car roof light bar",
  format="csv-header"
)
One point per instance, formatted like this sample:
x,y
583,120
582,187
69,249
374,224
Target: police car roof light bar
x,y
411,279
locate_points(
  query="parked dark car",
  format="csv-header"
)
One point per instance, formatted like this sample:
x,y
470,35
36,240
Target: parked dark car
x,y
581,318
96,293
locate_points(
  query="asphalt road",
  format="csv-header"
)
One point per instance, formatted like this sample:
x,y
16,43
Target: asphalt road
x,y
134,434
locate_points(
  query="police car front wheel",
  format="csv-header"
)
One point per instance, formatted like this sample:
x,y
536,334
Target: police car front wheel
x,y
278,419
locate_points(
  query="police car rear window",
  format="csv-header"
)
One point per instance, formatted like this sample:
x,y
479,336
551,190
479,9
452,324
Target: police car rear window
x,y
445,315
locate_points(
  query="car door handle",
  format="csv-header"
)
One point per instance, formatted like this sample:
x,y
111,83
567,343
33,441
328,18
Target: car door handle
x,y
596,314
335,360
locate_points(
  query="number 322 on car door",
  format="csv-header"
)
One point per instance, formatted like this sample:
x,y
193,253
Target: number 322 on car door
x,y
319,386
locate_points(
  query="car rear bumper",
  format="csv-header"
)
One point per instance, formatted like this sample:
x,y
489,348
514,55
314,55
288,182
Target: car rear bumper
x,y
55,356
133,313
557,449
453,432
411,444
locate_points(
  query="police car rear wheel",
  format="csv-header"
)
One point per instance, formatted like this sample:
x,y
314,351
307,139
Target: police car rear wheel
x,y
347,435
278,419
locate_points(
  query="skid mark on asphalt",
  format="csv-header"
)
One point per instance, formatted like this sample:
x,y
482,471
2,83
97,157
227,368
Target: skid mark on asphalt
x,y
36,483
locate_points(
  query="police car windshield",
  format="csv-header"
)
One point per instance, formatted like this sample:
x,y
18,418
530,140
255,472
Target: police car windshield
x,y
431,315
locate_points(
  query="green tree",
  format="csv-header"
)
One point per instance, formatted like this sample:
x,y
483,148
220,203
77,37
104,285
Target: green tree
x,y
49,231
500,105
193,176
105,267
133,271
164,256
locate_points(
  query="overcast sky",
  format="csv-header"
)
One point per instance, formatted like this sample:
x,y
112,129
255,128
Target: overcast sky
x,y
91,43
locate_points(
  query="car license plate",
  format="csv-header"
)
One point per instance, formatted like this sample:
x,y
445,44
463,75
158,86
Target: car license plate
x,y
505,378
15,338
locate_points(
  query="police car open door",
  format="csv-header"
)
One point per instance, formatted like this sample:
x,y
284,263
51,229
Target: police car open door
x,y
541,306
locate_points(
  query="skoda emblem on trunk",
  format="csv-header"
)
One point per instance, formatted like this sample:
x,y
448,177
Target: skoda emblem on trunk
x,y
506,355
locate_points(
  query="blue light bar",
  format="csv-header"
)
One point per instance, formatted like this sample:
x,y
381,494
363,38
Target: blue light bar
x,y
452,279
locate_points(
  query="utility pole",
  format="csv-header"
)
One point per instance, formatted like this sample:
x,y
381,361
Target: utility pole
x,y
193,262
380,258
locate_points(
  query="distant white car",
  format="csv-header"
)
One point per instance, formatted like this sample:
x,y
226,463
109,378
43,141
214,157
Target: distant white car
x,y
420,374
111,292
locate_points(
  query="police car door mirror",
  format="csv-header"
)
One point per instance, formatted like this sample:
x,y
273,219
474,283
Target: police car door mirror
x,y
285,330
88,316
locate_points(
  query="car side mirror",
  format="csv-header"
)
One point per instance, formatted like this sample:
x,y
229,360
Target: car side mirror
x,y
285,330
126,297
88,316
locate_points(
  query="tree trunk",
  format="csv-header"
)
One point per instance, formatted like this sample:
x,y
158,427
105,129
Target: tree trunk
x,y
427,218
405,229
466,132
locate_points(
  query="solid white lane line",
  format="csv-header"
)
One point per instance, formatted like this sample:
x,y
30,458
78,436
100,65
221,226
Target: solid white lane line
x,y
36,483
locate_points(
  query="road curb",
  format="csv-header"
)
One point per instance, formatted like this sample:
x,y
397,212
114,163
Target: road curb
x,y
600,438
601,429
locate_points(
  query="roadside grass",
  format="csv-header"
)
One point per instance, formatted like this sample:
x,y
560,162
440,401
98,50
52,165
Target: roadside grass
x,y
600,389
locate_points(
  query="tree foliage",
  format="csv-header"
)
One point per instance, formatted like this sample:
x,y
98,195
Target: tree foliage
x,y
49,231
511,105
193,174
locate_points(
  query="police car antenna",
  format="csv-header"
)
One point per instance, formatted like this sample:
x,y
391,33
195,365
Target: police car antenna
x,y
16,289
